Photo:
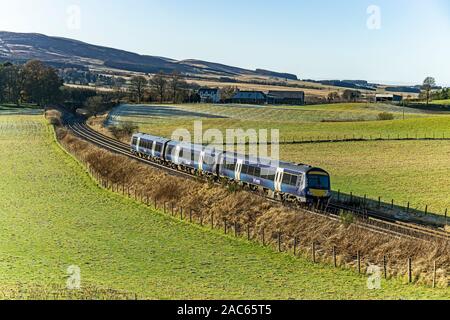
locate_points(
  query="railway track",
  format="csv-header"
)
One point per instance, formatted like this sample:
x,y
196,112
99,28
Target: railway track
x,y
369,220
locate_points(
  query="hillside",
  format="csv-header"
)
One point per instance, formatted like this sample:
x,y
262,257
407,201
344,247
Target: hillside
x,y
72,53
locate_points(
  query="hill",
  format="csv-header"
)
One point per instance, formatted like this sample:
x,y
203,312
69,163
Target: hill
x,y
62,52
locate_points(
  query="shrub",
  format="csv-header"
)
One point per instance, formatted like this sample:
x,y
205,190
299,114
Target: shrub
x,y
347,218
125,130
385,116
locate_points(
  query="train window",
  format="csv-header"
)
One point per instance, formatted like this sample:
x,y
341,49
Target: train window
x,y
135,140
181,153
158,147
257,172
170,150
286,178
267,174
294,180
290,179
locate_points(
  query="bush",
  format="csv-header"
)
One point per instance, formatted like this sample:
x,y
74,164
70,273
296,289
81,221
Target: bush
x,y
384,116
125,130
347,218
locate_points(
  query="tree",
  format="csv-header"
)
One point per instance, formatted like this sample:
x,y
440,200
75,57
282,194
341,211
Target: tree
x,y
159,83
428,84
14,79
333,97
2,83
138,86
175,85
41,84
228,92
351,95
94,105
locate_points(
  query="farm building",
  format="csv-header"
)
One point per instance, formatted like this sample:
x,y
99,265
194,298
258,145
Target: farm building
x,y
389,98
286,97
249,97
208,95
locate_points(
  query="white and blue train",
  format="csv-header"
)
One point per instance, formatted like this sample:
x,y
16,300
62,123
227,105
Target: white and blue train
x,y
280,180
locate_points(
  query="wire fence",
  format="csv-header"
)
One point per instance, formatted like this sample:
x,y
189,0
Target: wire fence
x,y
362,262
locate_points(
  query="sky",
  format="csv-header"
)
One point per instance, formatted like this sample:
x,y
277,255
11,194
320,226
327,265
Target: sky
x,y
384,41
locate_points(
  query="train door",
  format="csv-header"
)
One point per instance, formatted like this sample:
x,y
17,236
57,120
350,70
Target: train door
x,y
176,158
201,159
137,144
239,169
279,179
153,148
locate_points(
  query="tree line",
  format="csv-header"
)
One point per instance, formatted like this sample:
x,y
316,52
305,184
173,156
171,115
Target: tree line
x,y
162,88
33,82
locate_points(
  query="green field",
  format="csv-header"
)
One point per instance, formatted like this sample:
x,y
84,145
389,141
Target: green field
x,y
406,171
53,216
295,123
441,102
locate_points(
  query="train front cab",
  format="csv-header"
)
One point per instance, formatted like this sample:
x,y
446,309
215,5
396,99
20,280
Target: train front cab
x,y
318,185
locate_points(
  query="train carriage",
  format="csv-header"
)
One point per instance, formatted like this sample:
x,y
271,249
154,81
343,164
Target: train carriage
x,y
148,146
281,180
192,157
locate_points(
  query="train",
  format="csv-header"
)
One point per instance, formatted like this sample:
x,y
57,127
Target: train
x,y
279,180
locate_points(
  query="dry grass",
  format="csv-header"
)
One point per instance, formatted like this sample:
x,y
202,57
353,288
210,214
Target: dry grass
x,y
210,201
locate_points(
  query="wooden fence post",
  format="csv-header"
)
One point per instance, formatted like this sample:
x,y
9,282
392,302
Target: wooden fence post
x,y
385,267
212,221
263,237
314,252
334,256
236,231
190,215
181,213
410,279
225,226
358,256
279,242
248,232
295,245
434,274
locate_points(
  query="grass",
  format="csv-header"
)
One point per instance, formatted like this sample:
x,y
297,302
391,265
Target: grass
x,y
407,171
411,171
12,109
54,216
441,102
294,123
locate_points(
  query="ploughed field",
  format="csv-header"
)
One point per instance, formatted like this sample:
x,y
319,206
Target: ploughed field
x,y
406,171
54,216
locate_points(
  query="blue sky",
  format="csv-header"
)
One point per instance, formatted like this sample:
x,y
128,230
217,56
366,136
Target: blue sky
x,y
321,39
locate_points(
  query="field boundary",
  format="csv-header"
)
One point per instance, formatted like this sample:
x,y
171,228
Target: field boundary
x,y
283,242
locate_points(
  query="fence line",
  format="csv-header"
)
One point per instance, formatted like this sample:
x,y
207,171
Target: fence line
x,y
316,252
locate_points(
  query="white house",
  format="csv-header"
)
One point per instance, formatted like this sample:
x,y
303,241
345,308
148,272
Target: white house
x,y
208,95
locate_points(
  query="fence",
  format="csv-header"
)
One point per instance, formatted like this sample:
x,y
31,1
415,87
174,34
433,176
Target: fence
x,y
360,261
442,136
392,207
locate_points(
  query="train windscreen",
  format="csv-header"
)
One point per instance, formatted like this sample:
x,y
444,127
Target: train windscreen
x,y
319,182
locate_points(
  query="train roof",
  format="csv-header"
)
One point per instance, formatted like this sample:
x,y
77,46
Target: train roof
x,y
150,137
